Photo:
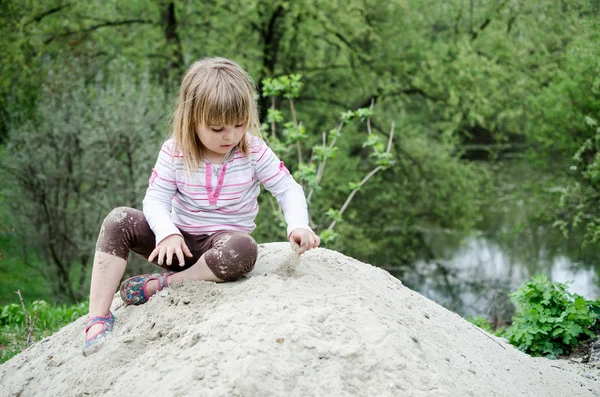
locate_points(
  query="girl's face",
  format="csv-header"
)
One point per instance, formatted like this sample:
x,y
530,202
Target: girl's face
x,y
218,140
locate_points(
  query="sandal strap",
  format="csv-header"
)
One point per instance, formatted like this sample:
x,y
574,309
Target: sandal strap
x,y
104,328
160,277
108,320
164,283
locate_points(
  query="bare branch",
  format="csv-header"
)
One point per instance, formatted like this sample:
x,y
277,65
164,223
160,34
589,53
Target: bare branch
x,y
170,26
351,195
44,14
273,121
349,45
23,306
407,155
457,20
35,319
299,146
364,180
369,118
321,168
487,20
30,325
389,146
296,125
98,26
410,90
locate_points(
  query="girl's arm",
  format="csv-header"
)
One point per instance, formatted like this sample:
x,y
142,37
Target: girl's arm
x,y
161,189
276,178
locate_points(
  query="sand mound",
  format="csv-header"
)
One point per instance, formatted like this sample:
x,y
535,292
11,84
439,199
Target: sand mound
x,y
325,325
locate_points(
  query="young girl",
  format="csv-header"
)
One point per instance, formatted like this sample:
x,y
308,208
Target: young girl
x,y
200,205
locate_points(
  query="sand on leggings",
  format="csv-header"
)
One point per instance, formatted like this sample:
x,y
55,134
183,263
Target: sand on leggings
x,y
320,325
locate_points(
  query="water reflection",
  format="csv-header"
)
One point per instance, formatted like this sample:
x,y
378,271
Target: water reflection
x,y
472,274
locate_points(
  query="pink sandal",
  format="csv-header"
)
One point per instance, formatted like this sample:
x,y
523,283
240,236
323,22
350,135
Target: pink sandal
x,y
93,344
133,290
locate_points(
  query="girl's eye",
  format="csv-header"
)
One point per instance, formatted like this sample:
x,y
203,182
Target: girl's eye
x,y
217,129
239,125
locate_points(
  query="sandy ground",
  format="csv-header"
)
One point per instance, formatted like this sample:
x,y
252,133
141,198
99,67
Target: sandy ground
x,y
323,325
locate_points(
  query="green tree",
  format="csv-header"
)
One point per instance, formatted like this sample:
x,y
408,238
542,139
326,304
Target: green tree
x,y
457,76
579,201
89,150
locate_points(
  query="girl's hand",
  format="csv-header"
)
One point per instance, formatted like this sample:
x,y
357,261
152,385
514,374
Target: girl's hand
x,y
173,244
304,239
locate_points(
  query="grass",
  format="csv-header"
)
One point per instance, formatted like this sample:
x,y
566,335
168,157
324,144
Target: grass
x,y
34,288
50,318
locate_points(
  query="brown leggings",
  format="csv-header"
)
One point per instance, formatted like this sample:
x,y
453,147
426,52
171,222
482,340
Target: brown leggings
x,y
228,254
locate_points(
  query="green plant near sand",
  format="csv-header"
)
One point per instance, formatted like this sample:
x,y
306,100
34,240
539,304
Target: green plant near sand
x,y
19,327
550,321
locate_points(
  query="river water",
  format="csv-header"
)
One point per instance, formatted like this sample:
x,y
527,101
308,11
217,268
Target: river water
x,y
472,273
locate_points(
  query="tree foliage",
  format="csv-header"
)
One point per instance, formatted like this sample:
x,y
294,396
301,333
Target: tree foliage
x,y
452,77
579,200
87,151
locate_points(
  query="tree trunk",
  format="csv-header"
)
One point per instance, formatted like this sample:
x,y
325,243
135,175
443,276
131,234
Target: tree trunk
x,y
270,35
174,66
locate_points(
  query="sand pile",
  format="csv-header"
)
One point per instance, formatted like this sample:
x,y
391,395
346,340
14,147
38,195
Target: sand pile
x,y
326,325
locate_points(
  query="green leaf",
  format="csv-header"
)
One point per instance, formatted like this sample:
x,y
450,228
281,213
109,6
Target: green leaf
x,y
354,185
347,116
363,113
274,116
549,320
328,237
334,215
371,140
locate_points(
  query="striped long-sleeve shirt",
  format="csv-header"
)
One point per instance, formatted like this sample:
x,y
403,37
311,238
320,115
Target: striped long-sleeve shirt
x,y
219,197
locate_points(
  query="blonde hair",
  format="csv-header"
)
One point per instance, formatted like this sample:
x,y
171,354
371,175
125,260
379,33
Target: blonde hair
x,y
214,91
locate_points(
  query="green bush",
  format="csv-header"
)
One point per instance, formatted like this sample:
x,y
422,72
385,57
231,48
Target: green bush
x,y
550,321
485,325
50,318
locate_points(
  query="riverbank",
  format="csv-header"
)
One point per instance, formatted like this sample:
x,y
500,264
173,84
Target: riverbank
x,y
472,272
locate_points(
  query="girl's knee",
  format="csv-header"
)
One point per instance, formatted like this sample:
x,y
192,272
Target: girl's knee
x,y
232,256
121,217
117,231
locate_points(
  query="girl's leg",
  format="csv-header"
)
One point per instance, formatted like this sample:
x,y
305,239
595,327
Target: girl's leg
x,y
230,255
106,274
124,229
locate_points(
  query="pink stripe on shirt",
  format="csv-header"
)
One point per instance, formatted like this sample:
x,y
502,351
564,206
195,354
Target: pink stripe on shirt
x,y
238,184
222,211
165,179
261,156
195,211
268,179
171,155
